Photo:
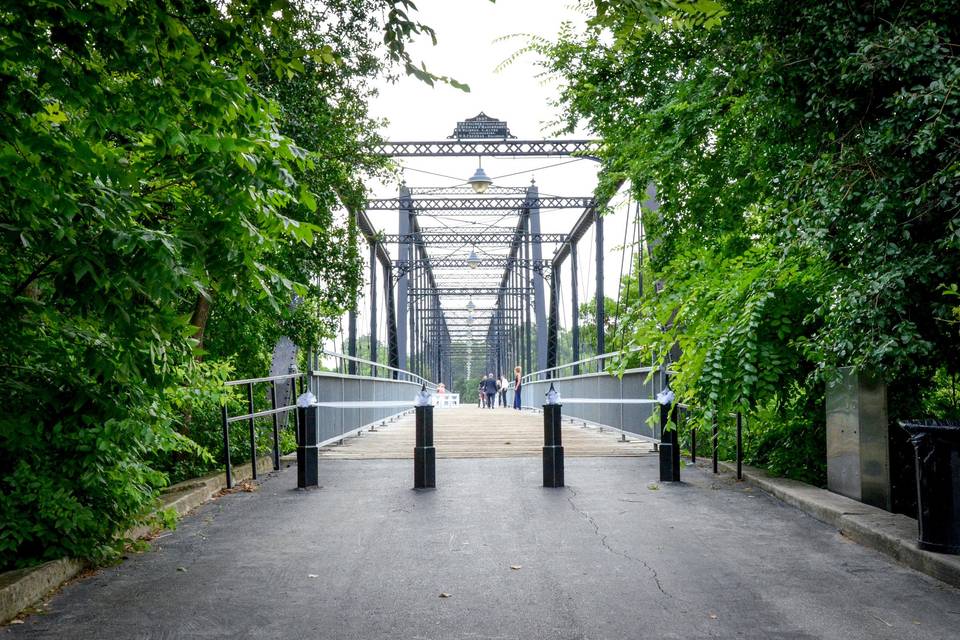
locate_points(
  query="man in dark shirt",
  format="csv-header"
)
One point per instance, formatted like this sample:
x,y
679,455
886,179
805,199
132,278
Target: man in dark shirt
x,y
490,389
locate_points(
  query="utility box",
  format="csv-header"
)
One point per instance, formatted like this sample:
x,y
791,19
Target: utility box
x,y
858,454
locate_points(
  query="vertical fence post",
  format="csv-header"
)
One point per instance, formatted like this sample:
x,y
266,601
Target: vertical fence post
x,y
226,445
739,446
623,434
276,425
253,433
693,442
715,439
296,414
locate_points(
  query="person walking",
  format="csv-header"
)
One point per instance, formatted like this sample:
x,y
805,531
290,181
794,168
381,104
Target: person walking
x,y
503,385
490,388
480,392
516,387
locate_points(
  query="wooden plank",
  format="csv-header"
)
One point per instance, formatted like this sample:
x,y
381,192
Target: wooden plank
x,y
470,432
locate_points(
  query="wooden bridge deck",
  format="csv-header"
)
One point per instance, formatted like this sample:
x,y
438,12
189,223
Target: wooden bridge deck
x,y
470,432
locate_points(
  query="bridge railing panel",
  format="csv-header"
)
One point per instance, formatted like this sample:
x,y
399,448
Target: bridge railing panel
x,y
348,403
626,402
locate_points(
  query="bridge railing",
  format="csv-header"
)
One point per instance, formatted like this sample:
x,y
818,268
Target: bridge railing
x,y
348,403
624,403
447,400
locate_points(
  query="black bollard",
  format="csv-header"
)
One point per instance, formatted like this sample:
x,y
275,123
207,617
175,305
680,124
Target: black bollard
x,y
669,446
424,453
552,446
308,453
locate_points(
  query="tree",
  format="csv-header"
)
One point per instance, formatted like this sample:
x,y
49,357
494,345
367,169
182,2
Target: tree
x,y
152,163
806,167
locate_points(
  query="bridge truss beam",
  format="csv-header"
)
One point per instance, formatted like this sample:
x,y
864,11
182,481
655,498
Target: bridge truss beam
x,y
496,148
464,238
425,334
475,205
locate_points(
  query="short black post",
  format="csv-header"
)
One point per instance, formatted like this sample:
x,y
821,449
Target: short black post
x,y
739,446
552,446
424,453
308,453
669,445
716,441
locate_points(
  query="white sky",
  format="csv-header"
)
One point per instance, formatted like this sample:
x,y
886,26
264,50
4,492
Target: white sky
x,y
469,48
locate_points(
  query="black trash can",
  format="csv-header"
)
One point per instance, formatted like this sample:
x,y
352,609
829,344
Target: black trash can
x,y
937,445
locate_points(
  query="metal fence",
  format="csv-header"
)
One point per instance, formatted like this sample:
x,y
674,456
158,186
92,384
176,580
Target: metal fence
x,y
625,403
448,400
349,403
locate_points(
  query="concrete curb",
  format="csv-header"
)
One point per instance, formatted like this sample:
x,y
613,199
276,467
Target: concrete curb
x,y
23,588
890,533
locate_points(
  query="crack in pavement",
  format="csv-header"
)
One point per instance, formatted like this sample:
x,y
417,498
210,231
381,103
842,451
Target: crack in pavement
x,y
603,541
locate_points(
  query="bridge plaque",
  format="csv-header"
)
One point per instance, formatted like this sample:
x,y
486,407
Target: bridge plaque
x,y
481,127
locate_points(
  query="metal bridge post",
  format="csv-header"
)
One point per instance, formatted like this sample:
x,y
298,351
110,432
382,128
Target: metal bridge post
x,y
352,340
404,260
424,453
373,306
553,323
552,445
601,338
575,307
412,345
669,445
539,302
514,351
308,451
393,351
525,298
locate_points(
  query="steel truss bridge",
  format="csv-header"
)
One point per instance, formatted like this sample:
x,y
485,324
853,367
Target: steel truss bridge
x,y
426,287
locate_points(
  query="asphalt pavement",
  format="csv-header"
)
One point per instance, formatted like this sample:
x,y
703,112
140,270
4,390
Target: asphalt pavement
x,y
492,554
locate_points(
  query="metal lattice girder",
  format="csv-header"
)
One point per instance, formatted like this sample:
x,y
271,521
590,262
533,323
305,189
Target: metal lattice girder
x,y
459,148
466,190
473,205
460,313
486,237
483,263
467,291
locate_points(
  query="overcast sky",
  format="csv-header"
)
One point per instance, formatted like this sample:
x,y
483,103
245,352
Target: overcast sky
x,y
474,37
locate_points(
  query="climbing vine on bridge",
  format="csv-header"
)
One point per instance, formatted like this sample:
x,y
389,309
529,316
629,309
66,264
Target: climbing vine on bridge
x,y
173,172
806,161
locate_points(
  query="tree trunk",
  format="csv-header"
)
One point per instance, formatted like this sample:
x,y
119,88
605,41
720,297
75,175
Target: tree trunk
x,y
201,314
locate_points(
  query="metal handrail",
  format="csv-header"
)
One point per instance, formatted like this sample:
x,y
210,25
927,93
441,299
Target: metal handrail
x,y
409,375
603,356
570,364
286,376
532,378
297,385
